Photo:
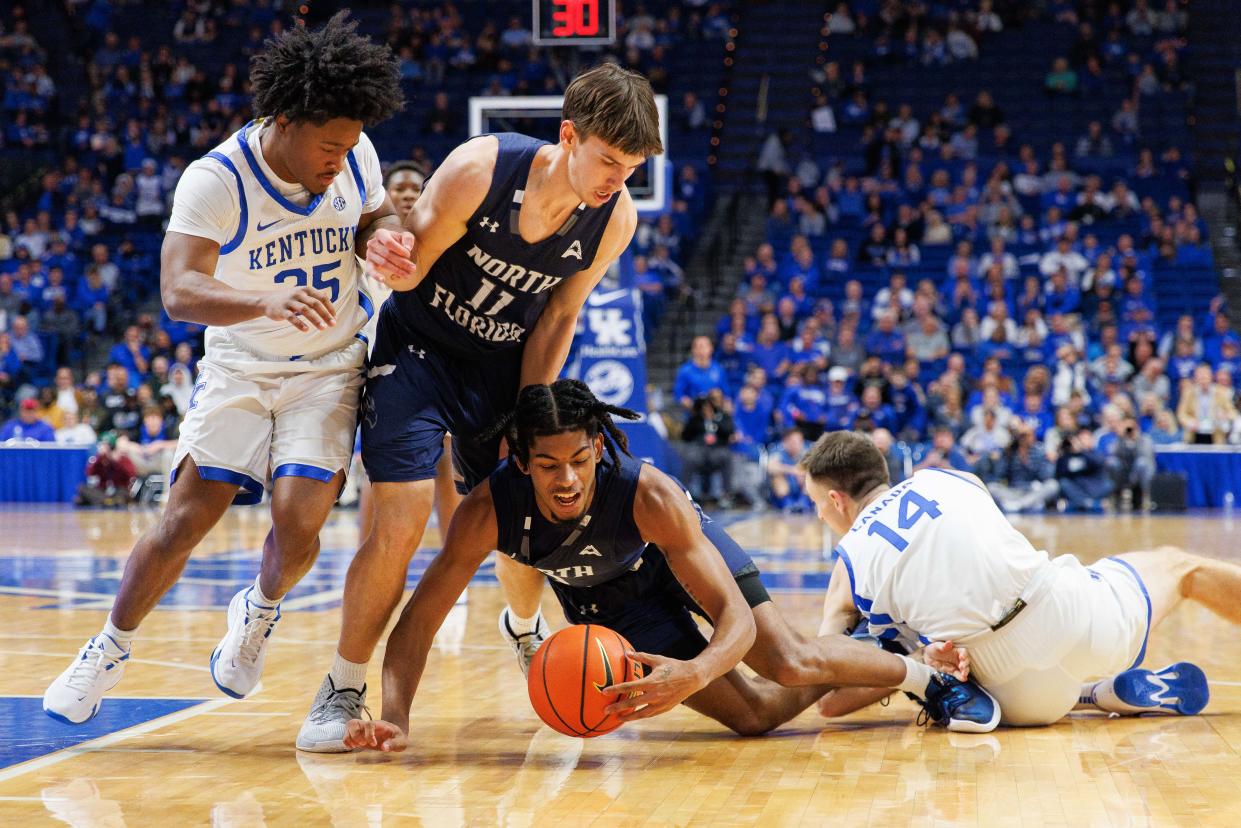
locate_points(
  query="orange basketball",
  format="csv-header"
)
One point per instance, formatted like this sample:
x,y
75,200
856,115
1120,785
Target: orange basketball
x,y
570,676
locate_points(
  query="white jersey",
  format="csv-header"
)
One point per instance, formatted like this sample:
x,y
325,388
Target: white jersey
x,y
934,559
273,235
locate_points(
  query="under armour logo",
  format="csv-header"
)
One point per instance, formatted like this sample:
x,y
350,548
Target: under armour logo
x,y
590,550
422,354
369,412
592,609
575,250
493,226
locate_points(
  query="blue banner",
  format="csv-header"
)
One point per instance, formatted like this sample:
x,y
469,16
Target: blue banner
x,y
609,355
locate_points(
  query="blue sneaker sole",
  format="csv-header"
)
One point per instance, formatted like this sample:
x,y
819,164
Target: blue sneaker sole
x,y
214,656
1183,684
69,721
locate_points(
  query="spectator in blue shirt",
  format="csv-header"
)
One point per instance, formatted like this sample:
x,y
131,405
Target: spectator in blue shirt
x,y
769,352
1060,296
27,425
841,402
734,361
886,341
944,453
696,377
873,413
785,477
131,353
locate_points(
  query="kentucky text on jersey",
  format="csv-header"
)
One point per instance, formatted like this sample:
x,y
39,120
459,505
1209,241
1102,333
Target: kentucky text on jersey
x,y
314,241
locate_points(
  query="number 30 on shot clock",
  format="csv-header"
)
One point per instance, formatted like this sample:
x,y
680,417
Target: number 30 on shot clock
x,y
574,22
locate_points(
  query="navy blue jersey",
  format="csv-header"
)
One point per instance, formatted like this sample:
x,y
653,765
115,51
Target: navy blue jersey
x,y
604,544
485,293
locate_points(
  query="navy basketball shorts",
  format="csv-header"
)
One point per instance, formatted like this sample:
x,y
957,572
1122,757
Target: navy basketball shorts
x,y
415,393
650,608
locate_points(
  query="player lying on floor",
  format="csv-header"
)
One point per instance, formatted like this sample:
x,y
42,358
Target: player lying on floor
x,y
625,547
934,559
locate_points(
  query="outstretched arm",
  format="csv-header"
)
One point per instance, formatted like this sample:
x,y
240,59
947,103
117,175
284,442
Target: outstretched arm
x,y
471,537
666,518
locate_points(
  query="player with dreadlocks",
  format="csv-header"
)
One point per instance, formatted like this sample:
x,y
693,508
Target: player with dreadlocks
x,y
261,248
624,546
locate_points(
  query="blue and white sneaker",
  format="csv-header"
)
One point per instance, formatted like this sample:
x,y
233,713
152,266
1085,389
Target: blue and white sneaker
x,y
961,706
74,697
237,663
1178,688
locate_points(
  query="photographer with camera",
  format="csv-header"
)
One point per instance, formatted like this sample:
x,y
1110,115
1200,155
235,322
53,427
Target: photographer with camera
x,y
1082,472
1129,456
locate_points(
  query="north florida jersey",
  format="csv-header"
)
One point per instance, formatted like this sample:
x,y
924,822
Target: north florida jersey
x,y
486,291
270,242
934,559
602,545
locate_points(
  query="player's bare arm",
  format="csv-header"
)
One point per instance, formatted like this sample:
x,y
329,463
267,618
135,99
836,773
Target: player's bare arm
x,y
191,293
384,217
400,257
471,537
547,347
839,613
666,518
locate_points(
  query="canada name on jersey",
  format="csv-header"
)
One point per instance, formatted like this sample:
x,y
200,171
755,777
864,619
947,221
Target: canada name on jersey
x,y
477,314
313,241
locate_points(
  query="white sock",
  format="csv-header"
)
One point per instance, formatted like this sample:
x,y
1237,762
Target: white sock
x,y
258,598
1102,696
520,625
917,677
123,638
348,674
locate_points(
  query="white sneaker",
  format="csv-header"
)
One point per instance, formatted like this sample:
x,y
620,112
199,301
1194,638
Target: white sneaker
x,y
330,712
74,697
237,663
526,644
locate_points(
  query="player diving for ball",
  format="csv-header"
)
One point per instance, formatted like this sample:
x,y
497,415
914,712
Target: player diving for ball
x,y
624,546
934,559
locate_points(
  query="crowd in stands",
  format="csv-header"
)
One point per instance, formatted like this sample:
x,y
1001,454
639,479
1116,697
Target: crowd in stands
x,y
969,300
86,355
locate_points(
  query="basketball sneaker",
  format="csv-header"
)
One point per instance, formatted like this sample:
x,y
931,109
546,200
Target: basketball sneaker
x,y
961,706
525,644
1178,688
74,697
330,712
237,663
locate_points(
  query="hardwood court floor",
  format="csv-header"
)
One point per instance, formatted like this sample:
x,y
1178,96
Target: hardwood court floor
x,y
168,749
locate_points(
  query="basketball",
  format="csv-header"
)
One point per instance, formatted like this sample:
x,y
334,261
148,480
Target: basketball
x,y
570,676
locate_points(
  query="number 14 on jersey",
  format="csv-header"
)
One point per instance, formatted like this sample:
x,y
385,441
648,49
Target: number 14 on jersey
x,y
909,510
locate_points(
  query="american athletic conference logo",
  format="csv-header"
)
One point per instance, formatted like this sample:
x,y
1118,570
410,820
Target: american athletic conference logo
x,y
610,380
339,203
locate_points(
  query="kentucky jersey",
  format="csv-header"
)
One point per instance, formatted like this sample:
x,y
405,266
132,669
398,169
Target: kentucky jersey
x,y
486,291
934,559
271,239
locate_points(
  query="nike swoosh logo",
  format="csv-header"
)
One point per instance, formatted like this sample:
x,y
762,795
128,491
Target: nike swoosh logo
x,y
607,668
597,299
260,228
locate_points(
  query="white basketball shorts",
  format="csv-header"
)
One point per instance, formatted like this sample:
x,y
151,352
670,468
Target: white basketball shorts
x,y
252,420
